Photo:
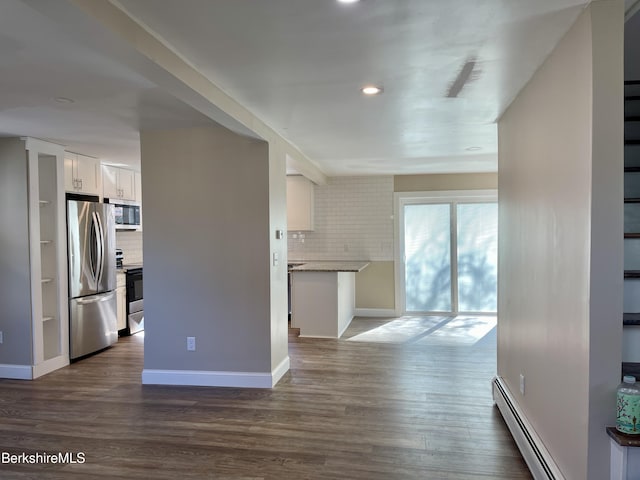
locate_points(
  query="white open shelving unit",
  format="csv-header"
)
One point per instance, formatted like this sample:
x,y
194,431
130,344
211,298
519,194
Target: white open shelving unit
x,y
48,252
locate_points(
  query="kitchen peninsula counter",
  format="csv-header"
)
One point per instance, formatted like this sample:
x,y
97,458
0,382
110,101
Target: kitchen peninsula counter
x,y
323,297
329,266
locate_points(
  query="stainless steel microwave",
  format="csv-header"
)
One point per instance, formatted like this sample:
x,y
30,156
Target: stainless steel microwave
x,y
127,214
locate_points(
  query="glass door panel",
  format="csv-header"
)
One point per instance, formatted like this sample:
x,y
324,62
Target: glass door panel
x,y
477,236
427,249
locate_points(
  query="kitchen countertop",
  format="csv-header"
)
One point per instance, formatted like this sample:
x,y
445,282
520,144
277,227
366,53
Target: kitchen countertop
x,y
128,266
327,266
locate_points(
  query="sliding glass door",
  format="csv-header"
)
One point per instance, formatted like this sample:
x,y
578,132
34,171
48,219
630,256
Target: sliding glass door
x,y
448,253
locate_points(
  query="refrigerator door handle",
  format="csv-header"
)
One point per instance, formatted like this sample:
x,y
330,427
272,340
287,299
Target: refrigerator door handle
x,y
100,249
93,251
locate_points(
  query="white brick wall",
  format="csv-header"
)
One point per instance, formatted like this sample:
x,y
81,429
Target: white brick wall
x,y
353,221
131,245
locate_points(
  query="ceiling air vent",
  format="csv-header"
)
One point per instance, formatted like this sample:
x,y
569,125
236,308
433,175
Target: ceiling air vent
x,y
462,79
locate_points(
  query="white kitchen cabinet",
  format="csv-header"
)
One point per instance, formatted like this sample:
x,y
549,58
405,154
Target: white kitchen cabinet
x,y
138,191
110,181
82,174
300,203
121,299
126,183
137,181
118,183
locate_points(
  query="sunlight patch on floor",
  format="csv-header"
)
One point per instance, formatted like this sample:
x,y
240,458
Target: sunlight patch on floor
x,y
401,330
430,330
462,330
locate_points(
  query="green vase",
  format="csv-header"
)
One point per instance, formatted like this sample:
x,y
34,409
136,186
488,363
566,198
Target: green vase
x,y
628,399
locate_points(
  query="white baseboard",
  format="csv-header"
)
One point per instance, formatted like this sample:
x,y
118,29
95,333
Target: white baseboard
x,y
205,378
16,372
345,327
49,366
328,337
538,458
375,312
280,370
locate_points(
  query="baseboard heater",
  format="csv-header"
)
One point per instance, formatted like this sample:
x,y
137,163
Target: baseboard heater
x,y
533,451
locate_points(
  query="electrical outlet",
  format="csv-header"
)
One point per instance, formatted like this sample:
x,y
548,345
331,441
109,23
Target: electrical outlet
x,y
191,344
522,384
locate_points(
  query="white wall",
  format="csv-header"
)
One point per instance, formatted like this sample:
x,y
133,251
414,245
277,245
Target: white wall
x,y
353,221
15,274
207,255
560,242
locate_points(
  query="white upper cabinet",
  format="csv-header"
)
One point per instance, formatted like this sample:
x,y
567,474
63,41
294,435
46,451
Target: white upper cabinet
x,y
110,182
126,183
118,183
138,186
81,174
300,203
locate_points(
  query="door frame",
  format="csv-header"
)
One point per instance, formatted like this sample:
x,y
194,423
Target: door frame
x,y
400,200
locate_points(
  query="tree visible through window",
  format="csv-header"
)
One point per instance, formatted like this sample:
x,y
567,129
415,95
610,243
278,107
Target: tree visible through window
x,y
427,258
430,241
477,257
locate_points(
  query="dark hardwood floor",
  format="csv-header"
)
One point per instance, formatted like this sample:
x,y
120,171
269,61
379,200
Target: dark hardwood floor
x,y
346,410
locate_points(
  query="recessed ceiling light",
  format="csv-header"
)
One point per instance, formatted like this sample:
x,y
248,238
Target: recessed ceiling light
x,y
371,90
64,100
473,149
348,1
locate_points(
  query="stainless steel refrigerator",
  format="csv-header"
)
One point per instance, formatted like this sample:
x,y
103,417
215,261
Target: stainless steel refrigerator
x,y
91,236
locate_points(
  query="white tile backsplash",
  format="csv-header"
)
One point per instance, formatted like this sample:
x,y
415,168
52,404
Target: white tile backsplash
x,y
131,244
353,221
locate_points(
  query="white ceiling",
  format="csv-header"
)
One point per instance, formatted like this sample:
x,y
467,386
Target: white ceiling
x,y
40,61
298,66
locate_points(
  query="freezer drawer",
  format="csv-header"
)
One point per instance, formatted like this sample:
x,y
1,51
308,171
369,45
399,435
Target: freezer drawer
x,y
93,323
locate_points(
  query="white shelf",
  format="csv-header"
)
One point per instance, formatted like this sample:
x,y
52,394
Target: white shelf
x,y
46,280
45,242
46,319
44,202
